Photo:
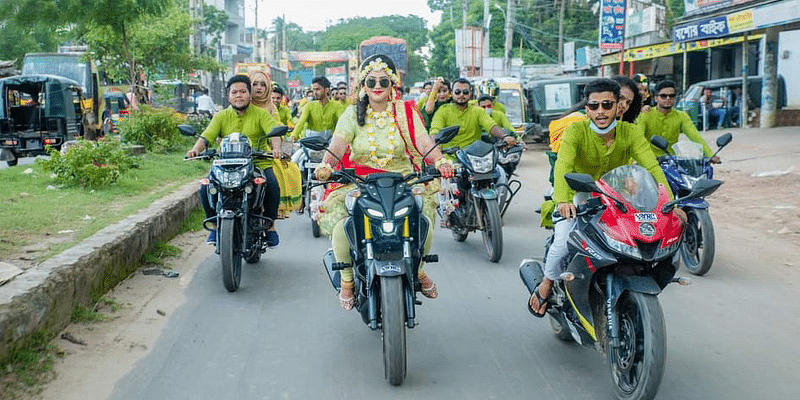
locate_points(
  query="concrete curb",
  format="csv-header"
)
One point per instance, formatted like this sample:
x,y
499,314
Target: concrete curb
x,y
43,297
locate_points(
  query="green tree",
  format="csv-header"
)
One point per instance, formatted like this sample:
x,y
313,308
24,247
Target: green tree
x,y
214,22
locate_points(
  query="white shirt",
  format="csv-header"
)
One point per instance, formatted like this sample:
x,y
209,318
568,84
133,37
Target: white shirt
x,y
205,103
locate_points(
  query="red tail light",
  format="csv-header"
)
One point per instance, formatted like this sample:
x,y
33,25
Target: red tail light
x,y
259,180
204,181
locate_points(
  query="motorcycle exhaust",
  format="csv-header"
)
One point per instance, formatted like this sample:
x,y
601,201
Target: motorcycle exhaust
x,y
335,276
530,271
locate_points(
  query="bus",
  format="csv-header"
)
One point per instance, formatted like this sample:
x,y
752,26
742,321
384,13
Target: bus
x,y
395,48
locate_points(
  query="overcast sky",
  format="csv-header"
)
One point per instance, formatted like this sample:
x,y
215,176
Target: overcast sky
x,y
315,15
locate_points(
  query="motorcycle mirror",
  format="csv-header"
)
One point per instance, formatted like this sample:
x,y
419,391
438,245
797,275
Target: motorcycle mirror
x,y
660,142
186,130
279,130
447,134
702,188
723,140
316,143
581,182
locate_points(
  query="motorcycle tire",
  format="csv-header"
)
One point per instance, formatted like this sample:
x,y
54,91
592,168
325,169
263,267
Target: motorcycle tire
x,y
697,246
230,237
492,230
393,329
560,328
315,229
637,366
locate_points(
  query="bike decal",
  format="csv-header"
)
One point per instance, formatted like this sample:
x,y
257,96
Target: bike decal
x,y
645,217
389,268
647,229
230,161
586,324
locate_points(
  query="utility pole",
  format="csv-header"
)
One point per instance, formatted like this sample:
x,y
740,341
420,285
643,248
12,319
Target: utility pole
x,y
509,38
561,32
256,58
464,4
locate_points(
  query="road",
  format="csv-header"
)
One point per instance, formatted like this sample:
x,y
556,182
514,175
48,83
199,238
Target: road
x,y
731,334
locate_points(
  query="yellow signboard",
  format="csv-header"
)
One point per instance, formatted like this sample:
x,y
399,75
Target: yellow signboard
x,y
667,49
741,21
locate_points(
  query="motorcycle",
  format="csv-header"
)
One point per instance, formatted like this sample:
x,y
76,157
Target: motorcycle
x,y
308,160
475,203
683,168
386,230
236,190
508,159
619,260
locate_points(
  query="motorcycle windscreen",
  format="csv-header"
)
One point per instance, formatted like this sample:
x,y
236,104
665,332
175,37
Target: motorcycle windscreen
x,y
689,156
635,185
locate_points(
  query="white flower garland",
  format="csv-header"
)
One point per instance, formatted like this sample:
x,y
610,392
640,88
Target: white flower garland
x,y
381,120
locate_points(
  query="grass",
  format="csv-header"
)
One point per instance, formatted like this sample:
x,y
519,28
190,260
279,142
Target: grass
x,y
22,372
33,206
161,250
85,314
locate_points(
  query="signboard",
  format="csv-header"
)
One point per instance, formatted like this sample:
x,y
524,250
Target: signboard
x,y
305,76
612,24
703,29
697,7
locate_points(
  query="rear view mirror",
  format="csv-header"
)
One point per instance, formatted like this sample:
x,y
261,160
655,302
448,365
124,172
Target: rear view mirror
x,y
581,182
660,142
702,188
723,140
316,143
447,134
186,130
279,130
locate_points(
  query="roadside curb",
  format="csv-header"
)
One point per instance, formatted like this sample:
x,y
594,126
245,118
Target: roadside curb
x,y
43,297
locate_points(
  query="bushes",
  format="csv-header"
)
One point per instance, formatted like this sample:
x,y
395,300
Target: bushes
x,y
154,128
89,164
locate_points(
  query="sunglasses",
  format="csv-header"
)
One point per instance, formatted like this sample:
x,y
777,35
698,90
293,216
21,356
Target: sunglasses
x,y
667,95
607,105
459,91
385,82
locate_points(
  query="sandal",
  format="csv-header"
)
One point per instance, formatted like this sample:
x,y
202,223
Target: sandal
x,y
540,300
429,291
347,302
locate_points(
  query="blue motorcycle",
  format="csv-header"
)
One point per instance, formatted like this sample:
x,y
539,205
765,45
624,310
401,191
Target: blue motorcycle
x,y
684,166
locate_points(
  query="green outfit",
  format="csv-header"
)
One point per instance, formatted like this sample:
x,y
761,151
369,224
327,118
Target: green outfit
x,y
669,126
333,212
255,123
318,117
284,115
428,118
501,120
421,102
473,120
583,151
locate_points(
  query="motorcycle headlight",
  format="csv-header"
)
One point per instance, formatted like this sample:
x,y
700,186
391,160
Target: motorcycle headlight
x,y
373,213
402,212
509,158
622,247
230,179
482,165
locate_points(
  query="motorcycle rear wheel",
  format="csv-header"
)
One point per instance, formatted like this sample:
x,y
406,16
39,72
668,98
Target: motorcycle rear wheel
x,y
393,329
230,237
492,230
697,246
638,364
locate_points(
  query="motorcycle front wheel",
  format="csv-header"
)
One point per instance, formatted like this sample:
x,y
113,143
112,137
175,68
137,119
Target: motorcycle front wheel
x,y
230,244
393,329
492,230
638,364
697,246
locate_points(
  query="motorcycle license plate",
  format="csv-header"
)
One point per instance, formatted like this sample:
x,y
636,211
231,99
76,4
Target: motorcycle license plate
x,y
310,165
230,161
645,217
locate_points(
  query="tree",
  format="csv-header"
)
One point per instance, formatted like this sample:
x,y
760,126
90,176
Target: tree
x,y
214,23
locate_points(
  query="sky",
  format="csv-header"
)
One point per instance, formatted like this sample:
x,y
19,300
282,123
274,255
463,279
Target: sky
x,y
315,15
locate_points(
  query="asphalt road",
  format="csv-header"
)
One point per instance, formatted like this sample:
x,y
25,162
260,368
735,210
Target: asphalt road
x,y
731,334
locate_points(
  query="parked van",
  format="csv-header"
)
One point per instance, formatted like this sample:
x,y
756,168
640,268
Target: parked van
x,y
549,98
724,89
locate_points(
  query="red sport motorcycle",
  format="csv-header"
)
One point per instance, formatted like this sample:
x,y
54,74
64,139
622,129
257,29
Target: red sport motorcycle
x,y
620,259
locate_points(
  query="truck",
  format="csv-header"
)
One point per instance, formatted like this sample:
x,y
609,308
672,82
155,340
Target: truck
x,y
394,48
74,65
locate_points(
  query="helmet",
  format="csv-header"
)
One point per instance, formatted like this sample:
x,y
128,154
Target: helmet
x,y
235,145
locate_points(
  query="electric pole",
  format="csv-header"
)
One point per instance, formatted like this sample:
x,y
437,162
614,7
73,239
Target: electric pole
x,y
509,38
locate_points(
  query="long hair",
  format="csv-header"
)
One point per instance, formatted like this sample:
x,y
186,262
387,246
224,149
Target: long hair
x,y
636,105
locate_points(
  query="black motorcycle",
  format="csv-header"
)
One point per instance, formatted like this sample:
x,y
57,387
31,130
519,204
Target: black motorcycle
x,y
236,191
508,159
476,199
312,190
386,230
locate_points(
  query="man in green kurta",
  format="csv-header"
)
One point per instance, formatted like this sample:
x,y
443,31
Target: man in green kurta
x,y
499,117
254,123
591,147
321,114
665,121
472,119
284,113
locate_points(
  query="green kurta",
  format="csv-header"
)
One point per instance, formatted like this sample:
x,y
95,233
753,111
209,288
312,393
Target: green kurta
x,y
473,121
255,123
318,117
583,151
669,126
501,120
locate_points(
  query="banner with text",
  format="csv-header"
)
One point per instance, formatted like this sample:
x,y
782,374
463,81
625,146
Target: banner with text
x,y
612,24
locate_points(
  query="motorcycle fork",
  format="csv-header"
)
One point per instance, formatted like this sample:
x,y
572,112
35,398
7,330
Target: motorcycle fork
x,y
611,314
478,210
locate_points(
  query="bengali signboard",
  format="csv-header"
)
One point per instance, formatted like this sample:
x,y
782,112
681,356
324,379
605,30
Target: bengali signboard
x,y
696,7
612,24
703,29
741,21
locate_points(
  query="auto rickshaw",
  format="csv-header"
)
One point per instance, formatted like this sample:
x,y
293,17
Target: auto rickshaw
x,y
39,110
548,99
117,105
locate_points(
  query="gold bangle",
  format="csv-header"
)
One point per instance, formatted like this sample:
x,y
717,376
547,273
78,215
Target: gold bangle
x,y
325,167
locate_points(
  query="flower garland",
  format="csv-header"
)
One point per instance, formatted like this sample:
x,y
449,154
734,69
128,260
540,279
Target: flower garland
x,y
381,120
377,65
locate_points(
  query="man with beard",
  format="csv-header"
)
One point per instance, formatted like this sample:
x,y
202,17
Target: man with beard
x,y
255,123
322,114
472,119
665,121
594,146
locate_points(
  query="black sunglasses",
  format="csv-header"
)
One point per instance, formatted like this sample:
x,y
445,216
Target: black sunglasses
x,y
667,95
607,105
385,82
459,91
